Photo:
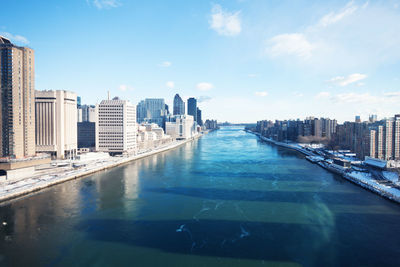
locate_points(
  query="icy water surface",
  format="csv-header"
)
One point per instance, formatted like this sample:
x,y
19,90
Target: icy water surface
x,y
224,200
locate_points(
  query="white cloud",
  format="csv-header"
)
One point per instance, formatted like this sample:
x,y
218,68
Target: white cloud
x,y
165,64
322,95
261,93
252,75
105,4
15,38
170,84
392,94
124,87
334,17
203,86
342,39
365,98
295,44
203,98
376,101
343,81
224,22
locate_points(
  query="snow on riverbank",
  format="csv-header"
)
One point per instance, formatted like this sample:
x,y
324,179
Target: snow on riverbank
x,y
385,188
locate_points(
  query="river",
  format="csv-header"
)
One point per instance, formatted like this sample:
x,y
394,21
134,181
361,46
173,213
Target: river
x,y
226,199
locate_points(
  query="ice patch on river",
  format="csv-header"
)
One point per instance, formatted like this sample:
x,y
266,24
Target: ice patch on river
x,y
183,229
244,232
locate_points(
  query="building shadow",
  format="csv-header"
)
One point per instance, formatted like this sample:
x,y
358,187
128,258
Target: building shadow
x,y
304,174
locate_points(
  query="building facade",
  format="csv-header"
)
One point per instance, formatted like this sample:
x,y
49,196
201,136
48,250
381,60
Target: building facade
x,y
179,106
86,113
192,107
152,110
211,124
180,127
116,127
199,119
17,105
86,134
385,139
56,123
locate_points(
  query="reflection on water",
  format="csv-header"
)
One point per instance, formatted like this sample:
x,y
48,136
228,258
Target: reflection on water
x,y
226,199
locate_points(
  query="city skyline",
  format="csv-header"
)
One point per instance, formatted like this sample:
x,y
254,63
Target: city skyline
x,y
244,60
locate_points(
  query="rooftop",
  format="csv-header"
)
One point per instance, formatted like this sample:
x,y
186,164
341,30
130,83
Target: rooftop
x,y
4,40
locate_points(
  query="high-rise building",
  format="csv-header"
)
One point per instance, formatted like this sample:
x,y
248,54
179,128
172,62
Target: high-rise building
x,y
79,114
17,105
328,127
373,118
396,137
388,139
385,139
116,126
372,143
166,109
86,134
179,105
317,127
379,142
213,124
192,107
199,119
141,112
358,119
56,123
180,127
151,110
87,113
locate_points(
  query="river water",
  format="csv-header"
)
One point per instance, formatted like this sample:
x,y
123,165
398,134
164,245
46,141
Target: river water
x,y
226,199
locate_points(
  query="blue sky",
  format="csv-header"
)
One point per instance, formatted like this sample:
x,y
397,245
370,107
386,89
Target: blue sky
x,y
245,59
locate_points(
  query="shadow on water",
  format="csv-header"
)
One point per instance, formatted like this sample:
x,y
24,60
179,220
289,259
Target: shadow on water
x,y
224,238
303,175
270,196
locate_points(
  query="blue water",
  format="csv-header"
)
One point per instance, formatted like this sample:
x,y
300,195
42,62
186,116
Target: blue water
x,y
226,199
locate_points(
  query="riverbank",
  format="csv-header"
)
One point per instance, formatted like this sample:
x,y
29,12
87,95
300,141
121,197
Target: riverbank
x,y
35,184
362,179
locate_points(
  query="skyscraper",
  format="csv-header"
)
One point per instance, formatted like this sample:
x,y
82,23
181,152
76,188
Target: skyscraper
x,y
179,105
151,110
192,107
373,118
199,119
17,105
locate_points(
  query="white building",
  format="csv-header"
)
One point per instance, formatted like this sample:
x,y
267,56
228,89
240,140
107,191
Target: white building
x,y
151,136
116,127
56,123
180,127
